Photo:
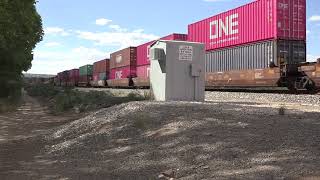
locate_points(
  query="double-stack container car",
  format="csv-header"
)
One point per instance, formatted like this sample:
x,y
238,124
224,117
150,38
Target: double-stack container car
x,y
64,78
123,66
73,79
59,78
143,61
258,44
100,73
85,75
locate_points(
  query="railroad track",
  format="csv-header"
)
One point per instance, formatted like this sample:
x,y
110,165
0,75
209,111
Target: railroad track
x,y
244,90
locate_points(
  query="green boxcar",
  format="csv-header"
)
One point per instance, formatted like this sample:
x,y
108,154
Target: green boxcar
x,y
86,70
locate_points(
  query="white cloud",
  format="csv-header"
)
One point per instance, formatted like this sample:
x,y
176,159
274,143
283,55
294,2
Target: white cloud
x,y
314,18
52,44
49,62
312,58
103,21
56,31
117,28
122,39
308,31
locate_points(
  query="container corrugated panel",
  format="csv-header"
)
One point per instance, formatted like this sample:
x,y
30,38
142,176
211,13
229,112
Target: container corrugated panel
x,y
101,70
143,71
86,70
123,58
123,72
143,50
73,77
74,74
256,21
65,76
101,66
258,55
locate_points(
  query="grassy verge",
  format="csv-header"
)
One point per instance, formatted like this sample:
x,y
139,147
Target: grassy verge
x,y
62,100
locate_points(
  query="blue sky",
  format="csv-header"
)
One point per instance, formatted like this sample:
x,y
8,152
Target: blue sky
x,y
79,32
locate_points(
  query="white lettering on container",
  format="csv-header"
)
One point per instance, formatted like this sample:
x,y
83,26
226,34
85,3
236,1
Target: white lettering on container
x,y
226,26
118,75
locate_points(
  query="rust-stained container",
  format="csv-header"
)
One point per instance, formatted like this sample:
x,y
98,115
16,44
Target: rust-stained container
x,y
73,77
100,67
256,21
123,58
143,50
101,70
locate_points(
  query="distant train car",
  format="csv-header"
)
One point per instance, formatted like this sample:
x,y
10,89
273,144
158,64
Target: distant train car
x,y
65,78
101,71
85,75
73,79
123,66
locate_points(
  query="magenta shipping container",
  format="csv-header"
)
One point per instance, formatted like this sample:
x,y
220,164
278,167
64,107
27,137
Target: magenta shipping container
x,y
256,21
143,50
123,72
143,71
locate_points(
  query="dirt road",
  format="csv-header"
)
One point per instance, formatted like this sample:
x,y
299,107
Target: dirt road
x,y
21,140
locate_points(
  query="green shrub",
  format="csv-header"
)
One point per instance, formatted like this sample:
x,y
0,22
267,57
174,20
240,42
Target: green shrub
x,y
42,90
68,99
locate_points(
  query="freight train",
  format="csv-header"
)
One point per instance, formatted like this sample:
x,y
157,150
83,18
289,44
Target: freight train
x,y
260,44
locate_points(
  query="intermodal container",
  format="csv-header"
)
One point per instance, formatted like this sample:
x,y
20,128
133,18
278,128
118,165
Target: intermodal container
x,y
256,21
143,50
123,72
73,77
143,71
123,58
101,70
86,70
59,76
258,55
64,78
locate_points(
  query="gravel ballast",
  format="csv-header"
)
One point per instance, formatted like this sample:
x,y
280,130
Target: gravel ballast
x,y
231,136
141,140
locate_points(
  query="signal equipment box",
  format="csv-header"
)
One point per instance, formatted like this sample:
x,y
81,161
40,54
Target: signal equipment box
x,y
177,71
